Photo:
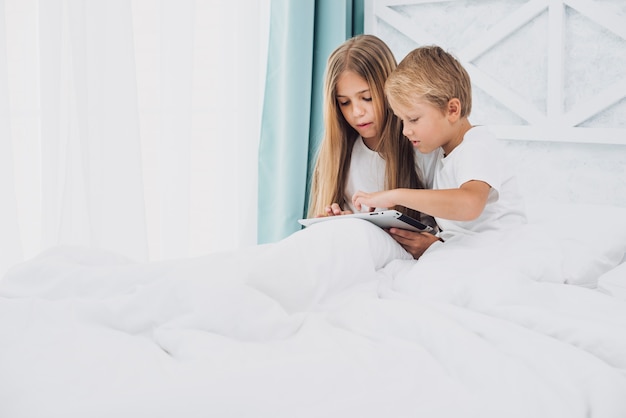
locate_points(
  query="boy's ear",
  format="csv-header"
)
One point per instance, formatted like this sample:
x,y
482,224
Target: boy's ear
x,y
454,108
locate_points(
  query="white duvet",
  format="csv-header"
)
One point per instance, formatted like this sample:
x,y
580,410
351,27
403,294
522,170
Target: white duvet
x,y
334,321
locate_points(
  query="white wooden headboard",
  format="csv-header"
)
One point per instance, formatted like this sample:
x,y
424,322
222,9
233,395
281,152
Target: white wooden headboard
x,y
549,78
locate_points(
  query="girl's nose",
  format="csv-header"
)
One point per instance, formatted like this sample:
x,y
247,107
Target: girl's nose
x,y
406,131
358,110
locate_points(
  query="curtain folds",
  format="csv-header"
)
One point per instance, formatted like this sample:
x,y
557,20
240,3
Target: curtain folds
x,y
11,243
302,35
130,125
90,125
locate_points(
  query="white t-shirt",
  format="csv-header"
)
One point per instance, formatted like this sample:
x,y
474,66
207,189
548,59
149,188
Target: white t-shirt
x,y
426,165
480,157
367,171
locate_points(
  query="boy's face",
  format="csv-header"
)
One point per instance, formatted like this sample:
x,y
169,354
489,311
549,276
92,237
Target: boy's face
x,y
355,102
426,126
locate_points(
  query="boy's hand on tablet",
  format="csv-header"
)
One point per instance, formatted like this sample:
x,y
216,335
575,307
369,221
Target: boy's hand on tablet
x,y
371,201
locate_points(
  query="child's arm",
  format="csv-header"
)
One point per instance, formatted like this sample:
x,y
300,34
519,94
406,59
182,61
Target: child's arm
x,y
463,204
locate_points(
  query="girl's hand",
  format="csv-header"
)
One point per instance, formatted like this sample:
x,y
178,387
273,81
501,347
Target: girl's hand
x,y
335,210
372,200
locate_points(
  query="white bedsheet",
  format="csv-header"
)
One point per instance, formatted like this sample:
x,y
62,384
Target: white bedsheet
x,y
334,321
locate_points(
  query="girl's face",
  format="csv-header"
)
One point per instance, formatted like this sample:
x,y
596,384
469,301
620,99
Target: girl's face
x,y
355,102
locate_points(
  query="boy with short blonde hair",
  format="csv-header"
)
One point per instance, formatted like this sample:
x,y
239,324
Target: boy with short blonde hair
x,y
474,188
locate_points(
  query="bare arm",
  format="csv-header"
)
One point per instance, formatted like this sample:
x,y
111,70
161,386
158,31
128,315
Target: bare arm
x,y
463,204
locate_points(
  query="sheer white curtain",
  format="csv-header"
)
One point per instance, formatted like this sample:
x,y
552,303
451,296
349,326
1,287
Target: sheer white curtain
x,y
129,125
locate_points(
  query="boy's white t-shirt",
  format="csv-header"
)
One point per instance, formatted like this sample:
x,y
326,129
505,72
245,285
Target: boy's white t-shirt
x,y
480,157
426,165
367,171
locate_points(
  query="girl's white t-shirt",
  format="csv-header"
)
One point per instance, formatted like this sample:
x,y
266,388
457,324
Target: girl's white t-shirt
x,y
367,171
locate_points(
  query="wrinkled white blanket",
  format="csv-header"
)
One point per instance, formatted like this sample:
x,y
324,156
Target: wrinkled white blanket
x,y
334,321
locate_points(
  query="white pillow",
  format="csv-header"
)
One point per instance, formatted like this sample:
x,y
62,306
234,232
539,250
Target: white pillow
x,y
592,238
573,244
613,282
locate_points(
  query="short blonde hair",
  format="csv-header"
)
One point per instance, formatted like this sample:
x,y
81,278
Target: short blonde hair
x,y
429,73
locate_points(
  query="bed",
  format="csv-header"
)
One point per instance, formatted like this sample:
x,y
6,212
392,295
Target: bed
x,y
333,321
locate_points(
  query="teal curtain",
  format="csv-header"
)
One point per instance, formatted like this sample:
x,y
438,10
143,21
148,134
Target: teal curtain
x,y
303,33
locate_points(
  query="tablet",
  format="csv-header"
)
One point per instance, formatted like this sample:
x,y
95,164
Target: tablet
x,y
385,219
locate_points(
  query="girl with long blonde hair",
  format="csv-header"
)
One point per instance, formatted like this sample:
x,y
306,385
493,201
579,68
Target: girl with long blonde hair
x,y
363,146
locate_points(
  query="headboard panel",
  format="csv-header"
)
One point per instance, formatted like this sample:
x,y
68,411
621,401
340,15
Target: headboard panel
x,y
549,78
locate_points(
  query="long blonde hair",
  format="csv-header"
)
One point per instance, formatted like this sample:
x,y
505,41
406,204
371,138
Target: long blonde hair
x,y
369,57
